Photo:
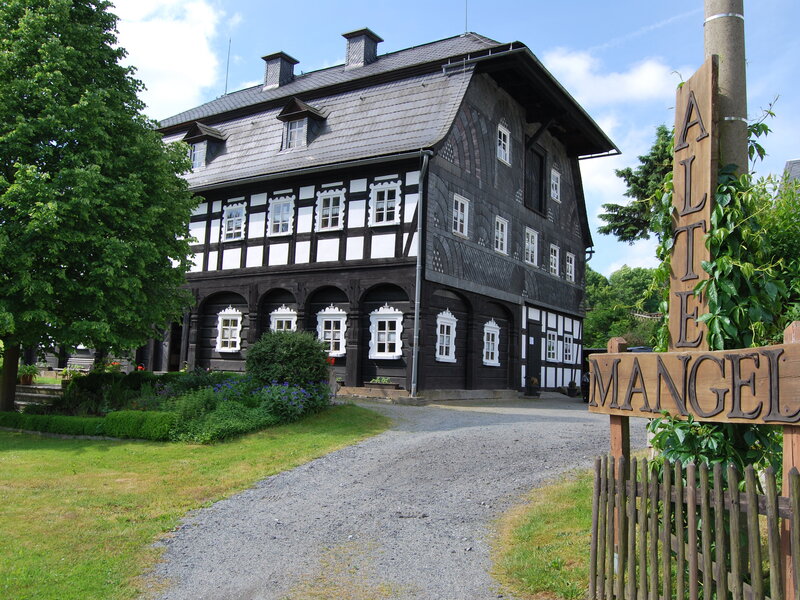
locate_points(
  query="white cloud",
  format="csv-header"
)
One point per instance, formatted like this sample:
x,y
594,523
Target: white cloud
x,y
169,43
640,254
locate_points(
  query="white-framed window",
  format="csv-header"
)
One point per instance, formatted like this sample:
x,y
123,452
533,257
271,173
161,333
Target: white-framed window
x,y
501,235
281,216
295,134
568,358
555,253
555,185
197,154
331,329
283,319
233,222
531,246
386,328
491,344
229,330
570,267
384,203
446,337
460,215
552,346
504,144
330,209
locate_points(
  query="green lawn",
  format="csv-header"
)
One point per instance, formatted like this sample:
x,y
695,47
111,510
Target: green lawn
x,y
77,516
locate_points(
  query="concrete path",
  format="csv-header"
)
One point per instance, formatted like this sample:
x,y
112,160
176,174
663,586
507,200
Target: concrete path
x,y
406,514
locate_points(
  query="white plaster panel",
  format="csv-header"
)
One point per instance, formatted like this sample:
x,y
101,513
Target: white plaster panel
x,y
217,206
197,230
302,252
551,377
212,260
306,192
524,347
387,177
383,246
410,207
257,225
197,263
522,379
231,258
358,185
577,330
305,219
333,184
551,320
258,200
214,235
534,314
278,254
355,248
255,256
201,209
560,325
328,250
413,250
412,178
356,213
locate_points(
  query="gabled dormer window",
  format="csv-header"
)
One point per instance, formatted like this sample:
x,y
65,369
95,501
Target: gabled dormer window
x,y
295,134
233,222
205,144
301,122
197,154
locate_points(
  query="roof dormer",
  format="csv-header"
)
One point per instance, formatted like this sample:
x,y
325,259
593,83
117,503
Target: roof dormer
x,y
302,122
205,143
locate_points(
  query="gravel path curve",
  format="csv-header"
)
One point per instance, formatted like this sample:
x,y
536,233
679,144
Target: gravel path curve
x,y
406,514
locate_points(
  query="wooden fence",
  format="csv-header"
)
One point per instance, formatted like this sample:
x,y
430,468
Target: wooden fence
x,y
691,533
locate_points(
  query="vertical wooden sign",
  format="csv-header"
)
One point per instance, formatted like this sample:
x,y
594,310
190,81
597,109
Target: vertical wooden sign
x,y
694,181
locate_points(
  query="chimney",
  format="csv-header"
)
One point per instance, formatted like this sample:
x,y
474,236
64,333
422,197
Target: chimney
x,y
362,48
279,69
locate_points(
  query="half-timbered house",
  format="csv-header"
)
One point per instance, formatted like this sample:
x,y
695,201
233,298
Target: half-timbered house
x,y
422,211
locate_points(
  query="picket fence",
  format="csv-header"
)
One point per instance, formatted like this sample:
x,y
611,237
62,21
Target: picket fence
x,y
691,533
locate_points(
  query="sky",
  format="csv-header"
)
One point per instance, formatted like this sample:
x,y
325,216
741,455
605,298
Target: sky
x,y
620,59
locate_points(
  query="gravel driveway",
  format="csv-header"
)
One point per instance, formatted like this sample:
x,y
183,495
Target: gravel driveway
x,y
406,514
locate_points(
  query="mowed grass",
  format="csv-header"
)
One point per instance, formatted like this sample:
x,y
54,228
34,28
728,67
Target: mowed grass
x,y
77,517
542,550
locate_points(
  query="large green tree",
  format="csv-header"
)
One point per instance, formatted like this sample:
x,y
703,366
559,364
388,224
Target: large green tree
x,y
93,212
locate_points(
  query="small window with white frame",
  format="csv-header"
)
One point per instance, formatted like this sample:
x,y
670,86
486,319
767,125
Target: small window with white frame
x,y
233,217
384,203
504,144
460,215
446,337
197,154
570,267
531,246
295,134
283,319
555,257
555,185
386,329
491,344
501,235
229,330
568,354
330,209
281,216
331,329
552,346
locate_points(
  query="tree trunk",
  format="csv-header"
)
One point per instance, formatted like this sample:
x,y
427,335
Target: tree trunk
x,y
8,381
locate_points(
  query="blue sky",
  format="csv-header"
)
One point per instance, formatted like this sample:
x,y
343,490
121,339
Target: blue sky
x,y
620,59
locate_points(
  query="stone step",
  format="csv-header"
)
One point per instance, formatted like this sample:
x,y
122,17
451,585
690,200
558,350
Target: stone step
x,y
44,389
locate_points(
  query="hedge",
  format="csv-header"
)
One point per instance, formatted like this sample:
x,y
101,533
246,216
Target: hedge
x,y
140,425
53,423
134,424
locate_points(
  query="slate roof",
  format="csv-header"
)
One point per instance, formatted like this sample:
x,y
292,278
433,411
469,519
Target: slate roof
x,y
792,169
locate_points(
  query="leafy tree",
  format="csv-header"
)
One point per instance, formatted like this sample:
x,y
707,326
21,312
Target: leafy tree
x,y
92,208
631,222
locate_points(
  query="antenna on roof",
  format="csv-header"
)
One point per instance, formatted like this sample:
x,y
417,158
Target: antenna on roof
x,y
227,66
466,15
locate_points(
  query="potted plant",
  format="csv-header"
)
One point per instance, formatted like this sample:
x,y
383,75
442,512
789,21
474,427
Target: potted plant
x,y
26,374
532,389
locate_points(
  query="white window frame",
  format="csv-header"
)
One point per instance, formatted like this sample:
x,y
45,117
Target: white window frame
x,y
377,218
504,144
460,215
555,259
501,235
531,246
229,330
330,315
295,134
233,225
552,346
555,185
197,154
386,314
274,204
491,344
570,267
281,316
325,213
446,337
568,348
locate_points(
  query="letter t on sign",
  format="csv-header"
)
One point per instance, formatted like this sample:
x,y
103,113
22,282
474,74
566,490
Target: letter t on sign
x,y
620,426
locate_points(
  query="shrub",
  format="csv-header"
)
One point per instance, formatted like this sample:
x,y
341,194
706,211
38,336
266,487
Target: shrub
x,y
192,405
229,419
141,425
53,423
289,403
294,357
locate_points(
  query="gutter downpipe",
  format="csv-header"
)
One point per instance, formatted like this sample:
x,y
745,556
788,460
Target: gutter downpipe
x,y
423,172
